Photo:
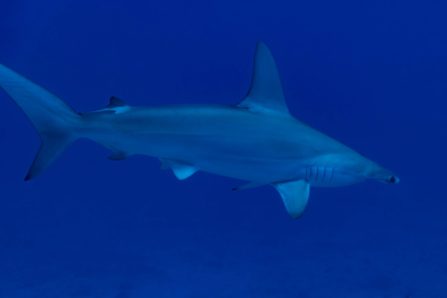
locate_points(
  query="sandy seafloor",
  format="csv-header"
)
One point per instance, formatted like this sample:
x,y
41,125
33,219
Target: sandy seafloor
x,y
371,74
200,249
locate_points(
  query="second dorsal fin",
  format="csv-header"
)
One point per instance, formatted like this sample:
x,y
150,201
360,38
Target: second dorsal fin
x,y
265,93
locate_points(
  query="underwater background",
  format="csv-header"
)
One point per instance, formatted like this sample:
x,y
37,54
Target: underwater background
x,y
372,74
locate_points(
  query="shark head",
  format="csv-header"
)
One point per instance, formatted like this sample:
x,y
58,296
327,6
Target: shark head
x,y
347,168
378,173
384,176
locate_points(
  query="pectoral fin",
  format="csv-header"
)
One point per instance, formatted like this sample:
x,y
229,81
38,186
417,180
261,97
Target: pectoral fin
x,y
294,195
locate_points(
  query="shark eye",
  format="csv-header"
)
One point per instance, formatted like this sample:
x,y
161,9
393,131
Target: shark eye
x,y
393,180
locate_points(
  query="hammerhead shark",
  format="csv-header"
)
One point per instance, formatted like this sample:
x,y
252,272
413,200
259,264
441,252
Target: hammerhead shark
x,y
257,140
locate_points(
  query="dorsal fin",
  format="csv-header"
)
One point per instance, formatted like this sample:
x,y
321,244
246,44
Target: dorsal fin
x,y
265,93
116,102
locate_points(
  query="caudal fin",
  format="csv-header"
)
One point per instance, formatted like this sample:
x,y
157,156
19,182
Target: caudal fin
x,y
53,119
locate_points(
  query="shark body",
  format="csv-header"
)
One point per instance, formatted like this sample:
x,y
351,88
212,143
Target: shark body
x,y
257,141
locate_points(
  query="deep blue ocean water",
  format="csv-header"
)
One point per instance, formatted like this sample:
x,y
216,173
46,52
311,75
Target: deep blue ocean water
x,y
372,74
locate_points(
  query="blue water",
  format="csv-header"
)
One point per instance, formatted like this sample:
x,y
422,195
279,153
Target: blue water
x,y
372,74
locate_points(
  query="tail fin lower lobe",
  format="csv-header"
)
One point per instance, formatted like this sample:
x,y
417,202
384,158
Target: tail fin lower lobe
x,y
53,119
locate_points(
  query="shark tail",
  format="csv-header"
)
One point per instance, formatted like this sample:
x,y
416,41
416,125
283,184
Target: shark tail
x,y
56,123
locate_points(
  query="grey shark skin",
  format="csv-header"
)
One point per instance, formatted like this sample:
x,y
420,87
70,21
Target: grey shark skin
x,y
257,140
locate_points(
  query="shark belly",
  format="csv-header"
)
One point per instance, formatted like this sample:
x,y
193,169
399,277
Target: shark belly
x,y
217,140
231,143
263,169
206,155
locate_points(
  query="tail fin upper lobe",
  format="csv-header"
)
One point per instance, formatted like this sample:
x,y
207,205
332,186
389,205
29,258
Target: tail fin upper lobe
x,y
54,120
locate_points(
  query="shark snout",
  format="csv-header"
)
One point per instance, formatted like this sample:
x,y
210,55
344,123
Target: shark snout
x,y
387,177
384,175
